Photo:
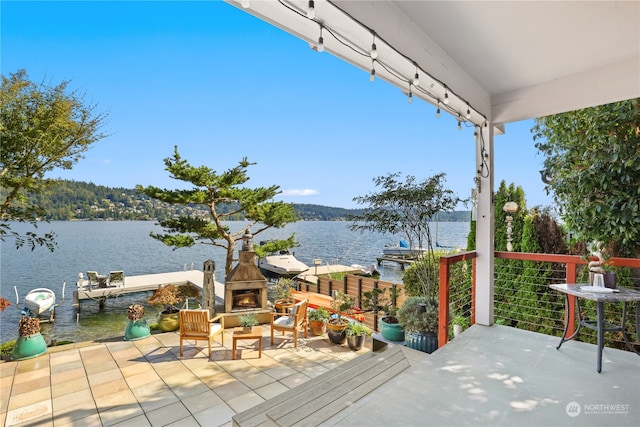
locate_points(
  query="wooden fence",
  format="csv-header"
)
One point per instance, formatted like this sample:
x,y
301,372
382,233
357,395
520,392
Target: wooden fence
x,y
355,286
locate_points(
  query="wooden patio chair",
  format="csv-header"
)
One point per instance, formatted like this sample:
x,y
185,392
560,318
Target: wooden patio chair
x,y
292,322
92,276
116,278
195,325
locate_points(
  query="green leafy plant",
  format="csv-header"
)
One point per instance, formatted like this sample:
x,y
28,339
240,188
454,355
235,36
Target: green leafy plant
x,y
320,314
419,314
283,288
248,320
376,300
356,329
341,304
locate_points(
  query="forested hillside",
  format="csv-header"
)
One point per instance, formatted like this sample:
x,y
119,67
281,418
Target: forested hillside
x,y
73,200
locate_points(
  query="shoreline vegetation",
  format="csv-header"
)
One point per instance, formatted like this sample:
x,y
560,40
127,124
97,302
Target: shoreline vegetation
x,y
67,200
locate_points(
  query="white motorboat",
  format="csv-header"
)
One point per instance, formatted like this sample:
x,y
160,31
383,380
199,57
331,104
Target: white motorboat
x,y
283,264
371,270
402,250
39,300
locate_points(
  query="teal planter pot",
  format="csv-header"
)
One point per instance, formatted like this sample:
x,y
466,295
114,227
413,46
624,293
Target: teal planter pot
x,y
423,341
391,331
28,347
136,330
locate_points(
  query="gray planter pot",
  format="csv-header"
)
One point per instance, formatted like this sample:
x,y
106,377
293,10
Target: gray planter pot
x,y
423,341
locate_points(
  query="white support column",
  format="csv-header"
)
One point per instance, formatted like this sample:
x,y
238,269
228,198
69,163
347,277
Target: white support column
x,y
484,225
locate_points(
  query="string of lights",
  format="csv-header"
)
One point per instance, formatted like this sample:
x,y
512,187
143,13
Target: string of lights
x,y
378,63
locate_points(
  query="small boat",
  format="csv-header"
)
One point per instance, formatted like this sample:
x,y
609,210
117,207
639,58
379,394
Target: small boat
x,y
39,300
370,271
402,250
282,264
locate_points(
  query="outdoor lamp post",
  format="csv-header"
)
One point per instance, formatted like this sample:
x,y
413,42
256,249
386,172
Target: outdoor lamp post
x,y
247,241
510,208
316,263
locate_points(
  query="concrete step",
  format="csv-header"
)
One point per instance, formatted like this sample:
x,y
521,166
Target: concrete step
x,y
324,396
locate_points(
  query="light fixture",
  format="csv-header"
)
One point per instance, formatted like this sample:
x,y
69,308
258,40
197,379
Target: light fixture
x,y
438,110
320,41
311,12
372,77
416,78
510,208
410,97
374,49
245,4
446,95
459,123
247,241
468,115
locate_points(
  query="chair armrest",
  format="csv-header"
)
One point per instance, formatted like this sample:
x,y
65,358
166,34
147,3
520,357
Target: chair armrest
x,y
219,317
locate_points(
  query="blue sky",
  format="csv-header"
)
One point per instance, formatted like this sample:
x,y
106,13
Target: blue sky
x,y
221,85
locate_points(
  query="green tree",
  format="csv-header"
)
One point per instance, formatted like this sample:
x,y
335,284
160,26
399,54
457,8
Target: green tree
x,y
42,128
593,168
216,192
406,208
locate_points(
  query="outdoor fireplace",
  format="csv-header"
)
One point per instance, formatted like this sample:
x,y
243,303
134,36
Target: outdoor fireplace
x,y
245,287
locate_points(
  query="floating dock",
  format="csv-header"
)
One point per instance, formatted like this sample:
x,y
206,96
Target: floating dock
x,y
311,275
143,283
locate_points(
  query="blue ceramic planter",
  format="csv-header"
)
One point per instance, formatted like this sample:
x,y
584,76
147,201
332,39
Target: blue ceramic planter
x,y
28,347
136,330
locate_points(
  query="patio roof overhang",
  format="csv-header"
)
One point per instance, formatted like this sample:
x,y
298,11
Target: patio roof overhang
x,y
509,60
496,61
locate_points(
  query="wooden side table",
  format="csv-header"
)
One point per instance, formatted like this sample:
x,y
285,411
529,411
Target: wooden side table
x,y
256,333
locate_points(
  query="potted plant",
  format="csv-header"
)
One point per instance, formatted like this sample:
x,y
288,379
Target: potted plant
x,y
30,342
341,303
169,296
419,317
356,332
318,319
137,328
284,301
248,321
377,301
458,324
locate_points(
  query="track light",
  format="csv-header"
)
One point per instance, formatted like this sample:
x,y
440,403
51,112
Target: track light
x,y
311,12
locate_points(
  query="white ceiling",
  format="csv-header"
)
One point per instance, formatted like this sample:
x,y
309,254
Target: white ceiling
x,y
510,60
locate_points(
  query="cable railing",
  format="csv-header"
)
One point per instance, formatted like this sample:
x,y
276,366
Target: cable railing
x,y
523,298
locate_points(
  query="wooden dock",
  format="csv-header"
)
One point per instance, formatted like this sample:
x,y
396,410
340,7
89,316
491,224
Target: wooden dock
x,y
403,261
143,283
311,275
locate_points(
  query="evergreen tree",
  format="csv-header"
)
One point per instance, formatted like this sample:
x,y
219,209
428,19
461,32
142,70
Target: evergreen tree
x,y
215,192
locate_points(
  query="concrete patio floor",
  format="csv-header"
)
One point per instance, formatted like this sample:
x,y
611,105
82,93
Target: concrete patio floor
x,y
501,376
493,376
146,383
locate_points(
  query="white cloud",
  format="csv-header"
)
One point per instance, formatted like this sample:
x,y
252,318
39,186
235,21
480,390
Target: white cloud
x,y
299,192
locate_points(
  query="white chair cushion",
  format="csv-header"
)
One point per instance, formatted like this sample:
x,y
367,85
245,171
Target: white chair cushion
x,y
286,321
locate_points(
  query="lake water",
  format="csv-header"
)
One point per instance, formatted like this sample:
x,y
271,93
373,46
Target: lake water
x,y
126,245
